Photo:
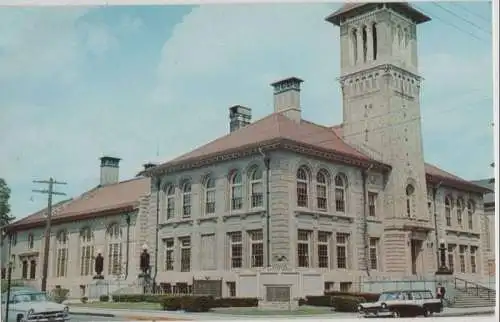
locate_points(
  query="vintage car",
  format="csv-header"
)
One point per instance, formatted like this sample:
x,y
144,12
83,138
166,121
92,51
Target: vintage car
x,y
405,303
26,305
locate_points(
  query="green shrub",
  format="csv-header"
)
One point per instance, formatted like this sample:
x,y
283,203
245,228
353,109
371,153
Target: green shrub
x,y
14,283
302,302
172,303
59,294
84,299
347,303
197,303
369,297
236,302
104,298
319,300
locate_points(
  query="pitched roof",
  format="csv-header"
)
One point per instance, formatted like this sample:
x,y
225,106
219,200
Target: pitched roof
x,y
121,196
489,197
272,127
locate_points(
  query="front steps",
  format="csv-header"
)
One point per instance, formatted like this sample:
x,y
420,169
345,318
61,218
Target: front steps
x,y
473,297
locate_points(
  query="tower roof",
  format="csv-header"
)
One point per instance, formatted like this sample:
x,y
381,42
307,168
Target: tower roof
x,y
355,8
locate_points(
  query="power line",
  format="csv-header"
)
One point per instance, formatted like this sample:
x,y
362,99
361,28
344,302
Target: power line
x,y
452,25
471,12
50,192
460,17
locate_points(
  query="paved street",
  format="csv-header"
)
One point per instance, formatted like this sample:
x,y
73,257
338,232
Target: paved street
x,y
83,318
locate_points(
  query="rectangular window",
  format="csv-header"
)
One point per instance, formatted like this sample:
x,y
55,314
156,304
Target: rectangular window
x,y
473,266
372,200
461,256
302,194
86,260
470,220
62,262
237,197
185,254
257,248
345,287
236,249
447,214
186,205
451,258
323,249
115,259
170,207
231,289
303,245
374,242
339,200
31,241
210,203
459,214
321,198
257,197
342,245
169,254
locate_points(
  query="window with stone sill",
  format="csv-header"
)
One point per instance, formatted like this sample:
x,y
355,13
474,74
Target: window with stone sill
x,y
345,287
236,190
170,192
473,265
186,200
31,241
32,269
342,240
322,190
461,256
210,196
86,251
169,254
236,249
470,215
340,192
372,202
231,288
256,188
303,246
302,187
24,269
324,249
256,247
62,253
447,210
185,243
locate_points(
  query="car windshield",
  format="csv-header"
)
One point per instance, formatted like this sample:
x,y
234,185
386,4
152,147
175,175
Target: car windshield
x,y
387,297
30,297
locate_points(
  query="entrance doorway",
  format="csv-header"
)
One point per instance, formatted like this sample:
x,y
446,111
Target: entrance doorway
x,y
416,249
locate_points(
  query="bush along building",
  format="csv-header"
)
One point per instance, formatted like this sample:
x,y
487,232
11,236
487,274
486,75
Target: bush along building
x,y
329,205
281,208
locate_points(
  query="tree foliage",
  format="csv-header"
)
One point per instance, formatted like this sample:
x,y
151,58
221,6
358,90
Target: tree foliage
x,y
5,217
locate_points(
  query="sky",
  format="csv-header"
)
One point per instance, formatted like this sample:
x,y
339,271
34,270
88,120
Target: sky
x,y
149,83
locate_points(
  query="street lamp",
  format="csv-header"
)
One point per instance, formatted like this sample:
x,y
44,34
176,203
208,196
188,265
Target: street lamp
x,y
7,298
443,269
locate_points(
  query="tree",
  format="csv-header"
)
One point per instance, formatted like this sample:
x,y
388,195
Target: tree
x,y
4,204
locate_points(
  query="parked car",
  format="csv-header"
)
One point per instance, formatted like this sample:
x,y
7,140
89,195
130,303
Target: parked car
x,y
28,305
406,303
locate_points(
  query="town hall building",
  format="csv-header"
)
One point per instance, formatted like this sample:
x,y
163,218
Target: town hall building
x,y
330,205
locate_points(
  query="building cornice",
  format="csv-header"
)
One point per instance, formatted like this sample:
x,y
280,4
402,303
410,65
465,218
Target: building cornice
x,y
456,184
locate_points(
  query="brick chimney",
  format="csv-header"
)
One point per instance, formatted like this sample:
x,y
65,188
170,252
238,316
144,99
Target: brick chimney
x,y
287,97
110,170
239,116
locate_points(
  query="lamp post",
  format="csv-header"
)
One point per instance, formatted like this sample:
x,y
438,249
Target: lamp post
x,y
443,269
7,298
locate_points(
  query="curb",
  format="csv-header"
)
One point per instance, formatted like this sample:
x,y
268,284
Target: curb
x,y
149,318
103,315
489,312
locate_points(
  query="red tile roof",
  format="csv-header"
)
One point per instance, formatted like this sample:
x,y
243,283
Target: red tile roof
x,y
121,196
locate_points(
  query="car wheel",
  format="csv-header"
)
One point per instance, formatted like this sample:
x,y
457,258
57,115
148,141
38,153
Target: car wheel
x,y
427,313
396,314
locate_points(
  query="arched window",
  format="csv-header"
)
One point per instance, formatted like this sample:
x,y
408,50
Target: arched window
x,y
302,188
340,186
471,208
186,200
86,251
24,272
354,45
460,207
256,188
236,189
114,239
209,196
365,43
374,40
61,253
322,190
410,192
447,210
32,269
170,195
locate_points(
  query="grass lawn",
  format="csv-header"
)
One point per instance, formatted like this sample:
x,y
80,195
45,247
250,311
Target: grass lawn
x,y
302,310
120,305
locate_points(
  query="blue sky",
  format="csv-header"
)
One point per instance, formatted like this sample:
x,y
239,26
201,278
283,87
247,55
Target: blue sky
x,y
78,83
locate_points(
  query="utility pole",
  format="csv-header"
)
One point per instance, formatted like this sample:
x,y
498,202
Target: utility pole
x,y
50,192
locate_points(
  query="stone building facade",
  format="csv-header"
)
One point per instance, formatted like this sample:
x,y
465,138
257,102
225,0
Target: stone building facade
x,y
346,202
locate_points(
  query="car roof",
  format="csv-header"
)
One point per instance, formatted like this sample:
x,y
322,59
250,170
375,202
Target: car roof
x,y
404,291
21,290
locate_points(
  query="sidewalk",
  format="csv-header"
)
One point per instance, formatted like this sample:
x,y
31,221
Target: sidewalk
x,y
181,316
